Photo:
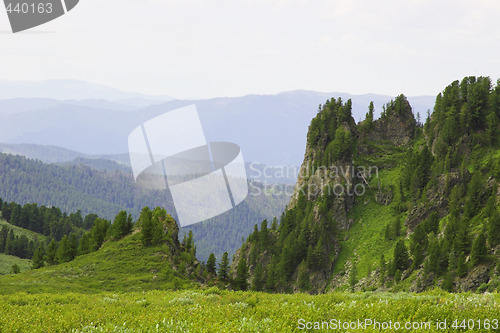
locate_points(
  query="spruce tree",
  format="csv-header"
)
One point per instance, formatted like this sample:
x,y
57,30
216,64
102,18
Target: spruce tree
x,y
51,257
479,249
10,243
258,278
241,282
400,256
494,229
147,226
461,265
64,250
122,225
73,246
38,258
211,262
224,268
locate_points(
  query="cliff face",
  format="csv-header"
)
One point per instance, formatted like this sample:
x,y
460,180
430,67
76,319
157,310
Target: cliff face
x,y
388,204
305,249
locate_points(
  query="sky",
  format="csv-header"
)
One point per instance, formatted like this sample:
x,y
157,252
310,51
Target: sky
x,y
204,49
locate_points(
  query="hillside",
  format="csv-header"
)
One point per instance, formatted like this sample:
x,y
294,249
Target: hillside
x,y
391,204
121,266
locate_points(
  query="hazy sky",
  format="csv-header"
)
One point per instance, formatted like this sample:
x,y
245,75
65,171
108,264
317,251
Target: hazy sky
x,y
202,49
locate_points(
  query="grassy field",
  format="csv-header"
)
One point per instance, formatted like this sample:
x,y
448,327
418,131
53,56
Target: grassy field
x,y
6,263
222,311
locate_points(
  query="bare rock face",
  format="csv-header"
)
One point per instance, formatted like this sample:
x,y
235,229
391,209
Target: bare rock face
x,y
398,127
437,199
475,278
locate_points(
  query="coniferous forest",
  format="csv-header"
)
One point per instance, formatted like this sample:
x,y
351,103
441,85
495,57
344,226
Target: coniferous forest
x,y
395,218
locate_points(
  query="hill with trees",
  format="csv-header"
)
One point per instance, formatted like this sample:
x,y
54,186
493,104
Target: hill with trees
x,y
392,203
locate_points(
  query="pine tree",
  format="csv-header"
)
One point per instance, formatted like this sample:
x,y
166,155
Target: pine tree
x,y
147,226
494,228
224,268
271,276
274,225
38,258
479,249
241,282
400,256
3,238
64,250
211,262
461,265
98,233
122,225
264,235
73,246
303,282
10,243
51,257
432,263
84,246
418,244
257,278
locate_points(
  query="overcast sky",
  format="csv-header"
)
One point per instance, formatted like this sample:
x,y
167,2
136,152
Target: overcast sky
x,y
203,49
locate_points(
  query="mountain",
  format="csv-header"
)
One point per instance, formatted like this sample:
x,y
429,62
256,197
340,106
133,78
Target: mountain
x,y
73,89
269,128
390,204
105,187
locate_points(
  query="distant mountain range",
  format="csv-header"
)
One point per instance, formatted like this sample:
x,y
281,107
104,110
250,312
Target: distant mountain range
x,y
74,90
270,129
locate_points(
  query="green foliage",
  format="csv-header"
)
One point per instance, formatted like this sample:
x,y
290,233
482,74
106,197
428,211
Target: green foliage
x,y
258,278
72,188
223,272
51,257
211,262
479,250
223,311
240,282
38,258
122,225
400,256
418,246
15,269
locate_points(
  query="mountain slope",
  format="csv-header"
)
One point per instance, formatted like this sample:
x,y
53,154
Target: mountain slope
x,y
120,266
391,203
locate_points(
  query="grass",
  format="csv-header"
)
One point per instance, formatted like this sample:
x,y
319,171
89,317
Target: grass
x,y
223,311
6,263
365,239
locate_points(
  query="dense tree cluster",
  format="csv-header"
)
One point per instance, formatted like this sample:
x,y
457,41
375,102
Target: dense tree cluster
x,y
448,190
332,132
